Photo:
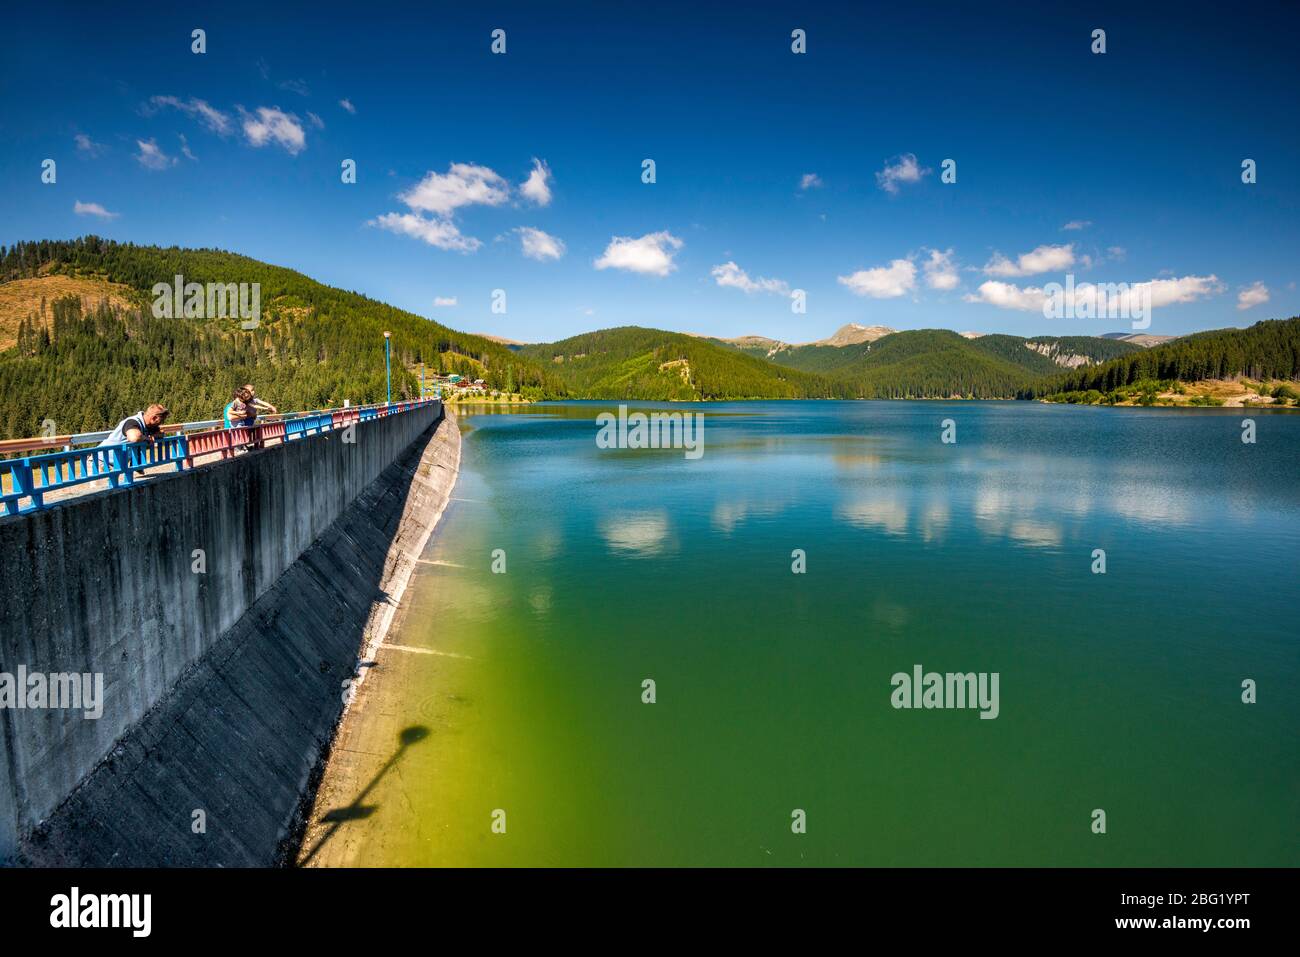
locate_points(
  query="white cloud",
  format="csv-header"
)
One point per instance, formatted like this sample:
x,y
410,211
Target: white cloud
x,y
185,149
270,124
441,233
941,271
296,86
347,105
810,181
1162,292
316,121
209,116
1007,295
1077,224
464,184
1042,259
905,170
434,199
729,274
537,186
88,146
651,254
440,302
151,157
539,245
1168,292
92,209
1255,294
883,282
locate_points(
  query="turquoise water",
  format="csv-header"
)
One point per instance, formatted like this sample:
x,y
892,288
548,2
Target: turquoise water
x,y
1119,691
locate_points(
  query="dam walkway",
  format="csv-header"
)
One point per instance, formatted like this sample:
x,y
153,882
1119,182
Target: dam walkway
x,y
41,481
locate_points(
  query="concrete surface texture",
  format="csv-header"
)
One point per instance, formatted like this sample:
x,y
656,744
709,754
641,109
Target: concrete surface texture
x,y
221,686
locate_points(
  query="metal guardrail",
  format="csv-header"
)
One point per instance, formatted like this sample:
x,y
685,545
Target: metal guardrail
x,y
68,442
29,480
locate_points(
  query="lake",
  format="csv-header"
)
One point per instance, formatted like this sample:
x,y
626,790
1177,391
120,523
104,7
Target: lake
x,y
773,689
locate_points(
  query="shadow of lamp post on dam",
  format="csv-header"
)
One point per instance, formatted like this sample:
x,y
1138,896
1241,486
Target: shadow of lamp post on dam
x,y
356,811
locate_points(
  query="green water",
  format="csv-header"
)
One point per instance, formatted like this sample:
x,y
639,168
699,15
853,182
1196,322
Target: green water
x,y
1119,691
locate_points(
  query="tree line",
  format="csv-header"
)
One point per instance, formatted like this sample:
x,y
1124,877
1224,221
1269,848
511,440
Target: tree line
x,y
86,365
1266,350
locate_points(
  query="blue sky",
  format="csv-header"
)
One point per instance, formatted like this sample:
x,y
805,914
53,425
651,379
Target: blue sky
x,y
240,147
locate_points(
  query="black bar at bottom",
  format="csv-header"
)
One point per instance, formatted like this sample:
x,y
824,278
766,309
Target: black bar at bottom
x,y
333,907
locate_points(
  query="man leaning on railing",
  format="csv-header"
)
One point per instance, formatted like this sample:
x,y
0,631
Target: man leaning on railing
x,y
144,426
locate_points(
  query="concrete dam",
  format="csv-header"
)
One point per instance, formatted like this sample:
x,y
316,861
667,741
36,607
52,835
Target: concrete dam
x,y
214,618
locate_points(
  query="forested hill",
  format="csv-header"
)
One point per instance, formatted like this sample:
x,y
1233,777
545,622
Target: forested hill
x,y
95,351
1042,355
636,362
631,362
1266,350
315,346
937,363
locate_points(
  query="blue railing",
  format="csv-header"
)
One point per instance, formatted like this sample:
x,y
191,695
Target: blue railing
x,y
25,482
32,477
307,425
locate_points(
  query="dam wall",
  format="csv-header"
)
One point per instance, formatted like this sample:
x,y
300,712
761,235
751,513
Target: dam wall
x,y
222,610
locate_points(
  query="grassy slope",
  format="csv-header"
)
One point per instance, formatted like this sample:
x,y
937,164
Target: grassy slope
x,y
22,299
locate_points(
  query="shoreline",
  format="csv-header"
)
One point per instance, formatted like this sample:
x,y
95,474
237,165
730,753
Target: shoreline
x,y
438,470
1040,400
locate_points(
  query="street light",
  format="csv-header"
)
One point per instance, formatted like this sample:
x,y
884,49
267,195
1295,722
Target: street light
x,y
388,367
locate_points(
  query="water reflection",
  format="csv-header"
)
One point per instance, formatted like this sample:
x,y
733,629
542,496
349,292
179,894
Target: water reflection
x,y
727,516
639,534
887,515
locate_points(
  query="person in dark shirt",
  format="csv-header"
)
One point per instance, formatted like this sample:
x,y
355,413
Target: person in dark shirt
x,y
144,426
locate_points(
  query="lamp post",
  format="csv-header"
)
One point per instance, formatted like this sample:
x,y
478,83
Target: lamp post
x,y
421,381
388,367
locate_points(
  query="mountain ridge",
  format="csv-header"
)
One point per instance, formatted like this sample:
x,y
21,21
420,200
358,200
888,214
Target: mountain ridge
x,y
90,361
